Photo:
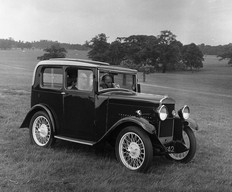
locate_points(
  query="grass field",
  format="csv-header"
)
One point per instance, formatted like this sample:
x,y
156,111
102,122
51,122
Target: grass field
x,y
73,167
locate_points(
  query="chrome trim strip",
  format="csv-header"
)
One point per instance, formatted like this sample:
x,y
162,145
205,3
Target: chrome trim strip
x,y
79,60
165,97
75,140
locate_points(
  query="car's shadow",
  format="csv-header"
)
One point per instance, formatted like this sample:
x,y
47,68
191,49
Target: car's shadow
x,y
101,149
105,150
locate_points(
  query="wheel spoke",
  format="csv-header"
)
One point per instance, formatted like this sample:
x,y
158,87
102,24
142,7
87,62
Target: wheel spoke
x,y
131,150
41,131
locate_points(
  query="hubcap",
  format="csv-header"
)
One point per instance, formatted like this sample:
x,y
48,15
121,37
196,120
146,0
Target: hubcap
x,y
134,150
131,150
41,131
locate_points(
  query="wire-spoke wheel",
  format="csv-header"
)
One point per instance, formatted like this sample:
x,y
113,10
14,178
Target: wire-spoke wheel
x,y
134,149
41,130
190,143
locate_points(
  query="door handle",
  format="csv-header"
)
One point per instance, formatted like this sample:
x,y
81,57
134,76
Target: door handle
x,y
63,93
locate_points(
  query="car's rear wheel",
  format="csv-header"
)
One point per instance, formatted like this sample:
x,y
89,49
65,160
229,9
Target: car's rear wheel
x,y
189,140
134,149
41,131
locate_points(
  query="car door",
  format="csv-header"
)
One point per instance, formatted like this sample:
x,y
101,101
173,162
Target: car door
x,y
47,91
79,110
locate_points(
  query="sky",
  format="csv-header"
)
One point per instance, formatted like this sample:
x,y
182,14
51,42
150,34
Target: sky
x,y
77,21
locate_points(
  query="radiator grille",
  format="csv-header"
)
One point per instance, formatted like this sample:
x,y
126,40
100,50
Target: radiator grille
x,y
170,108
166,128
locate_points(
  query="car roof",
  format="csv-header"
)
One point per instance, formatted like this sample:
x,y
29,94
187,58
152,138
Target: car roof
x,y
84,63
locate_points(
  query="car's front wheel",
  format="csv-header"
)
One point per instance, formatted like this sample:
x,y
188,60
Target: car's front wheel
x,y
134,149
189,140
40,129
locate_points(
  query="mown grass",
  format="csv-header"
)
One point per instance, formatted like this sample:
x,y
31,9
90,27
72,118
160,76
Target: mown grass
x,y
73,167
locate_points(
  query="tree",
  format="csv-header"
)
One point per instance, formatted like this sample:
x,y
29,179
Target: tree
x,y
192,56
166,37
55,51
99,48
173,54
140,53
214,50
227,55
6,43
146,68
116,52
139,48
169,50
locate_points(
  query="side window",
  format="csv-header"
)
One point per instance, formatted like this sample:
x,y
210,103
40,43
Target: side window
x,y
52,78
85,80
79,79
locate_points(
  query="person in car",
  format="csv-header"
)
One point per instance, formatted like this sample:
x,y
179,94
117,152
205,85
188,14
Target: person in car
x,y
107,82
72,81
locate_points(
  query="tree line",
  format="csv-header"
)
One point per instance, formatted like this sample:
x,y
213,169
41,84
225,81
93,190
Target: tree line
x,y
146,53
214,50
222,51
10,43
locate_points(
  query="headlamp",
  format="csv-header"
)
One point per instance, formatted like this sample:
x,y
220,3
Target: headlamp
x,y
163,112
184,112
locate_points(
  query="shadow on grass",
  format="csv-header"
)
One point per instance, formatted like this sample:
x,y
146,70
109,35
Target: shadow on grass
x,y
105,150
100,150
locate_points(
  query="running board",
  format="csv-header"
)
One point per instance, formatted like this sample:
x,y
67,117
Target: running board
x,y
91,143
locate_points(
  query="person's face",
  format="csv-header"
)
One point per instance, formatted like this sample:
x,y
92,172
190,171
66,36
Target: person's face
x,y
108,81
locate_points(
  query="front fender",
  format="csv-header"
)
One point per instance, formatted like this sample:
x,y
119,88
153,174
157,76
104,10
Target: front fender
x,y
132,120
192,124
180,124
136,120
33,110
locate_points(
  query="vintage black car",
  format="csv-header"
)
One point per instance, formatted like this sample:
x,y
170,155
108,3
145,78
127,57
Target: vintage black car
x,y
89,102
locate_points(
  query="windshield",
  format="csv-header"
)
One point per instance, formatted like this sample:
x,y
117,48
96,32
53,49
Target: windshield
x,y
109,79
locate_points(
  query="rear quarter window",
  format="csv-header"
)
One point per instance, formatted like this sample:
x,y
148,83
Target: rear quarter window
x,y
52,78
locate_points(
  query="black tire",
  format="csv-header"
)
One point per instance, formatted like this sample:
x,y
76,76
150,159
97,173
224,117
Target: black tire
x,y
187,156
134,149
41,130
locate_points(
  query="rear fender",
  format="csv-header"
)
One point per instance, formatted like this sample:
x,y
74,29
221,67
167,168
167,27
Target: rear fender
x,y
33,110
